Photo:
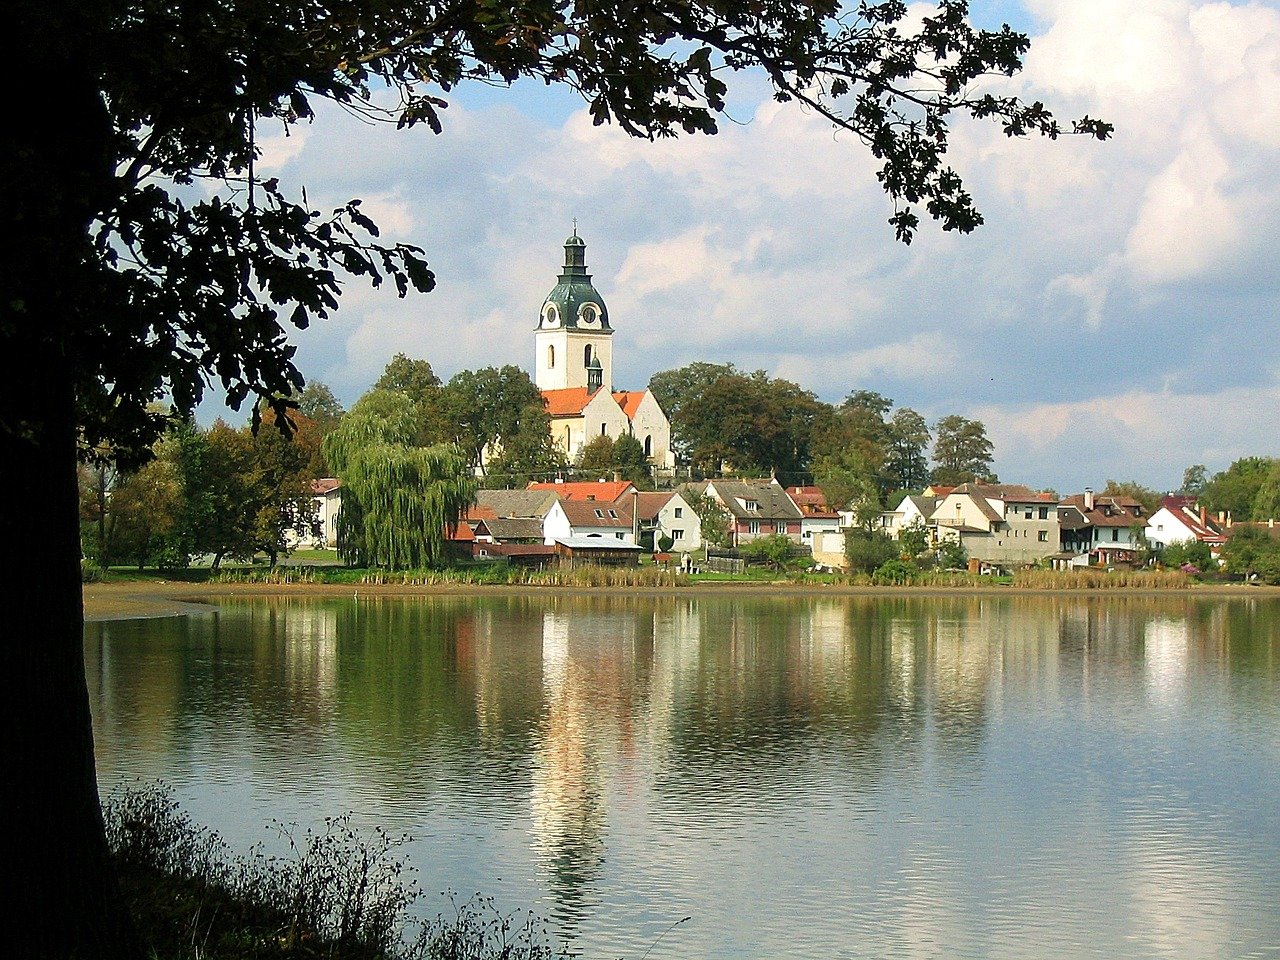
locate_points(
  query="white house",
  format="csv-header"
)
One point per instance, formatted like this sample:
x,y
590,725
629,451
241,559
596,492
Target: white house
x,y
910,511
1181,519
670,515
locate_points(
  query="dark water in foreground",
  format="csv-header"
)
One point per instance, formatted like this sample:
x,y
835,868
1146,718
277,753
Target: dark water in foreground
x,y
846,777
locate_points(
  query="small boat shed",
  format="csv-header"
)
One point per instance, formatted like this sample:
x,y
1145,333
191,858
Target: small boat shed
x,y
600,551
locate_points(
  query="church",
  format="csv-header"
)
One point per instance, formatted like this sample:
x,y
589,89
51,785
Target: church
x,y
573,367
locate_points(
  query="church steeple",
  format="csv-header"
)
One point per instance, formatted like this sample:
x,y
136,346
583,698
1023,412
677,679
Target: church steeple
x,y
573,342
574,303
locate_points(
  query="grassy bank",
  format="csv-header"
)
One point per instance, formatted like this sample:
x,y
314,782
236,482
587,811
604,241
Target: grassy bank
x,y
336,896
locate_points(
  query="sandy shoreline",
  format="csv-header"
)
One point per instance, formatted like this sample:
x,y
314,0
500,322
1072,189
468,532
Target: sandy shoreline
x,y
161,598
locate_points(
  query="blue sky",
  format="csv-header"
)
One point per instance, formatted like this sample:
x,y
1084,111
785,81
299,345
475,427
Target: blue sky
x,y
1118,316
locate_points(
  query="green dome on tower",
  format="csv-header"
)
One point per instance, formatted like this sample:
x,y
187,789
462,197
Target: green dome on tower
x,y
573,303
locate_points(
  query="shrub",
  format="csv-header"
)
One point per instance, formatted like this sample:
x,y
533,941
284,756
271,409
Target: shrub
x,y
867,551
893,572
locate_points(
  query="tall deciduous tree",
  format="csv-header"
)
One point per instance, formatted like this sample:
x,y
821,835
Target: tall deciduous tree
x,y
122,284
674,389
1235,489
488,407
961,452
908,456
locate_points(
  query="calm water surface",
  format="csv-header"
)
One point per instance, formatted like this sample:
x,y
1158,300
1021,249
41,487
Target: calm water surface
x,y
849,777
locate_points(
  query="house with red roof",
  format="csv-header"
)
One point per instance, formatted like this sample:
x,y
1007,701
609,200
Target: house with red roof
x,y
607,491
1181,519
1104,530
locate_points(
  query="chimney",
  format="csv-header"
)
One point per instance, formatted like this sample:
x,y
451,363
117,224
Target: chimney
x,y
1204,517
1088,499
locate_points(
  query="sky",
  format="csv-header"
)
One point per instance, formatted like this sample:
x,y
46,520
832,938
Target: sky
x,y
1116,317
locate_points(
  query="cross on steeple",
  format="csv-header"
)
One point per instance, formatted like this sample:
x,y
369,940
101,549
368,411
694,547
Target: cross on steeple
x,y
575,226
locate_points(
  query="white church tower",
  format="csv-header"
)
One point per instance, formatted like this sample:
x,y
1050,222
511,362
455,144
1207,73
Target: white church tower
x,y
574,342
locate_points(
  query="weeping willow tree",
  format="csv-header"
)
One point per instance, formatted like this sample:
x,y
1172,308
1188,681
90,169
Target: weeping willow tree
x,y
398,500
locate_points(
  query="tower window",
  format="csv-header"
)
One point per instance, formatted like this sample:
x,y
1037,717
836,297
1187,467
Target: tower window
x,y
648,446
586,355
551,357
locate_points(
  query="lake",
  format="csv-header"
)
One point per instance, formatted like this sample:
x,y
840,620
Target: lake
x,y
959,776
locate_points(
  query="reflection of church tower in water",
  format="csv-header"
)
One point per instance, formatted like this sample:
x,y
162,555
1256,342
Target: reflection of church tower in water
x,y
574,342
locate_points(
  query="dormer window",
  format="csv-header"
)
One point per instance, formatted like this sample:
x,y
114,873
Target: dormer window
x,y
751,505
589,313
550,315
613,514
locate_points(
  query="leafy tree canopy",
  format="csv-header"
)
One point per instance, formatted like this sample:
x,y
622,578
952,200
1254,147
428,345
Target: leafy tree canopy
x,y
961,452
1235,489
1149,498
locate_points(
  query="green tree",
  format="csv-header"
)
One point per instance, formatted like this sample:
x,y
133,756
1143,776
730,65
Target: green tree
x,y
1254,552
1194,479
867,550
952,555
674,389
146,508
630,462
1266,502
529,454
1235,489
752,424
317,403
398,500
595,459
774,550
715,521
961,452
907,464
486,408
1189,552
846,478
914,539
150,256
416,380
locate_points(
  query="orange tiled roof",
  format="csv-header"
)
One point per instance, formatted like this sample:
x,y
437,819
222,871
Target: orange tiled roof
x,y
568,402
325,485
629,401
606,492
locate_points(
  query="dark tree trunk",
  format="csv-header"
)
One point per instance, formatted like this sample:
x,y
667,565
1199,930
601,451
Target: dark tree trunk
x,y
64,898
55,173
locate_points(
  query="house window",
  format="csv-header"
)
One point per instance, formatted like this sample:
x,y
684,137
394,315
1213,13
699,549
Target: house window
x,y
600,514
780,526
1044,536
752,505
1027,515
1044,513
753,526
1115,536
677,534
618,535
679,512
613,514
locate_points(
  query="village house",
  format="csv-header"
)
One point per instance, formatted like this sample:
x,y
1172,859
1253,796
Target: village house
x,y
817,519
1000,524
911,510
1100,530
1181,519
668,514
758,508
